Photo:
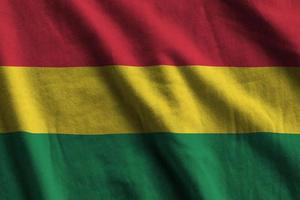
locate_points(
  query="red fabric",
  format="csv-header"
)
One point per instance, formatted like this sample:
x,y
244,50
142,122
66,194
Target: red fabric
x,y
150,32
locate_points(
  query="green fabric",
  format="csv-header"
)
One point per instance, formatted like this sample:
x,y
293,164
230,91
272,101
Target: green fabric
x,y
150,166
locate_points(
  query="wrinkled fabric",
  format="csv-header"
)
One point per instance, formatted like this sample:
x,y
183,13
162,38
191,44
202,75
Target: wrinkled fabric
x,y
156,99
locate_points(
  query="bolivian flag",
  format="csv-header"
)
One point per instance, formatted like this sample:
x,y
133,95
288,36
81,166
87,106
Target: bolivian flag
x,y
149,99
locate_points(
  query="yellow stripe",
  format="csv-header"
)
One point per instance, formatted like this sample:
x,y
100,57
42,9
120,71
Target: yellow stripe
x,y
125,99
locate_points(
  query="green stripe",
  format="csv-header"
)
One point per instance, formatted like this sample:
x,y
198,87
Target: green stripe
x,y
150,166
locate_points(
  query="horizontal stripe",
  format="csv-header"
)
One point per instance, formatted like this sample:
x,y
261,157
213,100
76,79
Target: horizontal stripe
x,y
128,99
155,166
175,32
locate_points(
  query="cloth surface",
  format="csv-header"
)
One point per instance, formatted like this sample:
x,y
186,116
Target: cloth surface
x,y
156,99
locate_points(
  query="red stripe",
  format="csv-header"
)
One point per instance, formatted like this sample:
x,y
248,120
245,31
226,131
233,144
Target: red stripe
x,y
136,32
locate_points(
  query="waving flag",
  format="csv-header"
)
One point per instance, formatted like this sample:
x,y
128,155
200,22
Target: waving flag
x,y
149,99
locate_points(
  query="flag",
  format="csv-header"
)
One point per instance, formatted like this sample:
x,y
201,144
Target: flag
x,y
133,99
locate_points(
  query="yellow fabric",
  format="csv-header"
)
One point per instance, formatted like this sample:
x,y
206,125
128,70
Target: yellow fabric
x,y
126,99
